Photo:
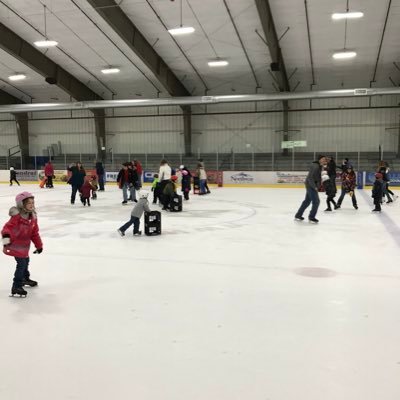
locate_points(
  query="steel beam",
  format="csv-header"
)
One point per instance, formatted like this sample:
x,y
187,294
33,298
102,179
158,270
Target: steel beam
x,y
127,31
53,73
110,11
187,129
6,98
21,121
100,130
277,65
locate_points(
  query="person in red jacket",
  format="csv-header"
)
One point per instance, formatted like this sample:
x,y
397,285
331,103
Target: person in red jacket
x,y
49,172
86,189
17,234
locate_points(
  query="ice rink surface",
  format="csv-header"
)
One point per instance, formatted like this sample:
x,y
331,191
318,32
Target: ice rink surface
x,y
234,300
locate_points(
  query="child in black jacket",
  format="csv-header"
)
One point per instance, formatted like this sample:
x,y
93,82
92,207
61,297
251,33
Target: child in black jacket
x,y
377,191
13,176
330,190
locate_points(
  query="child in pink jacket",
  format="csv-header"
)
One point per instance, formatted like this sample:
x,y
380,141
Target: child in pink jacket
x,y
17,234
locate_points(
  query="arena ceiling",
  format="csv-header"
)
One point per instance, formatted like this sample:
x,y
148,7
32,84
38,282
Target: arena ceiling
x,y
132,35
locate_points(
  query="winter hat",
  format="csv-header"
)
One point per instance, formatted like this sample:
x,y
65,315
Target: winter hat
x,y
378,175
325,178
11,168
181,166
174,178
19,199
184,172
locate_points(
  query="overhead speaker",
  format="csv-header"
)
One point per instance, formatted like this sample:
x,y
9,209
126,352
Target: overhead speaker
x,y
51,80
275,67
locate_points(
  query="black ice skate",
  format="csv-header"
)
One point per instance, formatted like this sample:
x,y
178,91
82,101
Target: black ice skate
x,y
19,291
299,218
29,282
328,209
313,220
138,233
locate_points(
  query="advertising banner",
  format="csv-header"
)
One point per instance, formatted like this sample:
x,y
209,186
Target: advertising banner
x,y
59,175
212,176
265,177
394,178
111,176
26,175
294,177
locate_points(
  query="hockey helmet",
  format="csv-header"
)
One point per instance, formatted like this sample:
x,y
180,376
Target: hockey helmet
x,y
143,194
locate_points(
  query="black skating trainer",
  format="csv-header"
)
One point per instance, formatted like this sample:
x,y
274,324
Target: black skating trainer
x,y
19,291
29,282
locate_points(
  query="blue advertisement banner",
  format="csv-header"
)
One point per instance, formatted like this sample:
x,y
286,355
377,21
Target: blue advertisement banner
x,y
394,178
148,176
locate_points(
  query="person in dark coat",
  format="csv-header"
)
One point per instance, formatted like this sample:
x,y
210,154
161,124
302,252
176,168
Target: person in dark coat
x,y
330,190
13,176
331,169
77,179
168,192
186,181
312,183
377,191
385,179
126,180
100,172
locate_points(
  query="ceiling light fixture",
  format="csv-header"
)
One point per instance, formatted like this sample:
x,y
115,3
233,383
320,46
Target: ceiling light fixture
x,y
347,15
343,55
218,63
181,30
110,70
17,77
46,42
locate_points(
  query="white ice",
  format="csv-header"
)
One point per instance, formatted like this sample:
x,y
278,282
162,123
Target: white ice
x,y
234,300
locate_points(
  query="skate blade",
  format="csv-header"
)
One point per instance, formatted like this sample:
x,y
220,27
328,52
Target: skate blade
x,y
18,295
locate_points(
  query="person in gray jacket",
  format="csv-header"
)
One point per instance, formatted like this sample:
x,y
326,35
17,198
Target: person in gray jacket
x,y
140,207
312,183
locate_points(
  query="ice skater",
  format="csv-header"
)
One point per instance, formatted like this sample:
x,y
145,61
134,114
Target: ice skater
x,y
330,190
86,190
348,186
186,181
155,188
169,192
140,207
13,176
377,192
312,184
17,234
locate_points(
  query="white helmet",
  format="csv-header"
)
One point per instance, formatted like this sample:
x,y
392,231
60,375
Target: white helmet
x,y
143,194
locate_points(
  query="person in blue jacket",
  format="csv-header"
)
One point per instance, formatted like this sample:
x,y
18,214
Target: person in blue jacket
x,y
76,179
